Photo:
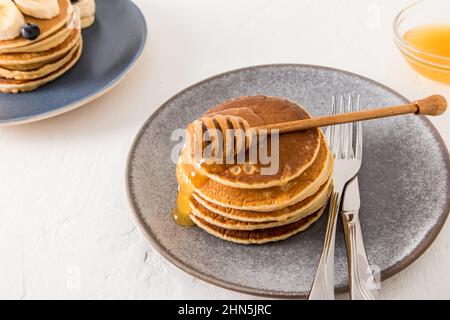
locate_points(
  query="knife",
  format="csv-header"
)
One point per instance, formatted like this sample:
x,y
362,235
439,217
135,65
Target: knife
x,y
361,280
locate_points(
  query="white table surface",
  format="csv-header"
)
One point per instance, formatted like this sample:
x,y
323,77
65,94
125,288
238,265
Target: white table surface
x,y
66,229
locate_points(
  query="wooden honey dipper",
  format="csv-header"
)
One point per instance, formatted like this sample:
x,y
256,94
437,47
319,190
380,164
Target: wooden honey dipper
x,y
432,106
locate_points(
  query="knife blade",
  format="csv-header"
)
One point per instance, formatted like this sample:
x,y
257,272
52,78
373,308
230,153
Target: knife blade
x,y
361,279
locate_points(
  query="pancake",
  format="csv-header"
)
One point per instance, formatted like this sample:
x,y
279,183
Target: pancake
x,y
47,27
45,44
16,86
31,66
238,202
297,151
213,218
273,198
300,209
46,69
27,58
258,236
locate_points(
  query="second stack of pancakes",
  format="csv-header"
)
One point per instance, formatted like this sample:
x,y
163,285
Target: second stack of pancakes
x,y
242,205
26,65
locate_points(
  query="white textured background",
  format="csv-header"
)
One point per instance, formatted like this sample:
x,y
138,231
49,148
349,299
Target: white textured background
x,y
65,225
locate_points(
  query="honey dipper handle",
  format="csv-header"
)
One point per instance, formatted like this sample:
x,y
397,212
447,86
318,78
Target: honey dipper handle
x,y
431,106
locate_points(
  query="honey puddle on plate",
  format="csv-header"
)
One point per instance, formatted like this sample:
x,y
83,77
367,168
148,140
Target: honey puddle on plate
x,y
434,40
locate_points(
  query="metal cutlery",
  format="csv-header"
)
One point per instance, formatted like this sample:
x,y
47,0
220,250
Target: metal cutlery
x,y
346,166
361,280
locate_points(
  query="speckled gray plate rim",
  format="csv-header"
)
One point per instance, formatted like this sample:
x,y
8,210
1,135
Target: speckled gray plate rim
x,y
109,53
396,232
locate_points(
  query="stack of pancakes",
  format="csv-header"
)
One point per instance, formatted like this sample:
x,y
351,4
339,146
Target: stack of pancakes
x,y
239,203
26,65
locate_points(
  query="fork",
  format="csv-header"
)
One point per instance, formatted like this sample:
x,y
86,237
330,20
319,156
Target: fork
x,y
346,166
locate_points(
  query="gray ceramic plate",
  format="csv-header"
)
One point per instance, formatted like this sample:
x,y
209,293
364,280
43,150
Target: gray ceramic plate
x,y
404,185
111,47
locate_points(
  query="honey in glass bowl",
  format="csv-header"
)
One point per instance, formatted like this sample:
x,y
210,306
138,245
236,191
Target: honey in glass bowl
x,y
422,33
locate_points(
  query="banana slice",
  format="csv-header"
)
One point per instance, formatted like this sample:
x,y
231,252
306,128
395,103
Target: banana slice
x,y
11,20
41,9
87,7
86,22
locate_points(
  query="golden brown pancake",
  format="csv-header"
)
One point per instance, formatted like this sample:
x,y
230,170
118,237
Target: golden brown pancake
x,y
273,198
26,58
238,202
220,221
47,26
300,209
45,44
16,86
31,66
258,236
297,151
44,70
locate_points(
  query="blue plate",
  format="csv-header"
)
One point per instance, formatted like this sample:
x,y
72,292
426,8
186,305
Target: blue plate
x,y
111,47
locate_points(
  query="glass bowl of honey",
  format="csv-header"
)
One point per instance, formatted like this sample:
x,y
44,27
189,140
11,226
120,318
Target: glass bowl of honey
x,y
422,33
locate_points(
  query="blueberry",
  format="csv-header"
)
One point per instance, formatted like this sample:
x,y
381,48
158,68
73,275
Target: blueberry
x,y
30,31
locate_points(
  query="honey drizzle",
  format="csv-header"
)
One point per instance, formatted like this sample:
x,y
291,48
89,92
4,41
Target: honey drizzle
x,y
189,180
190,177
